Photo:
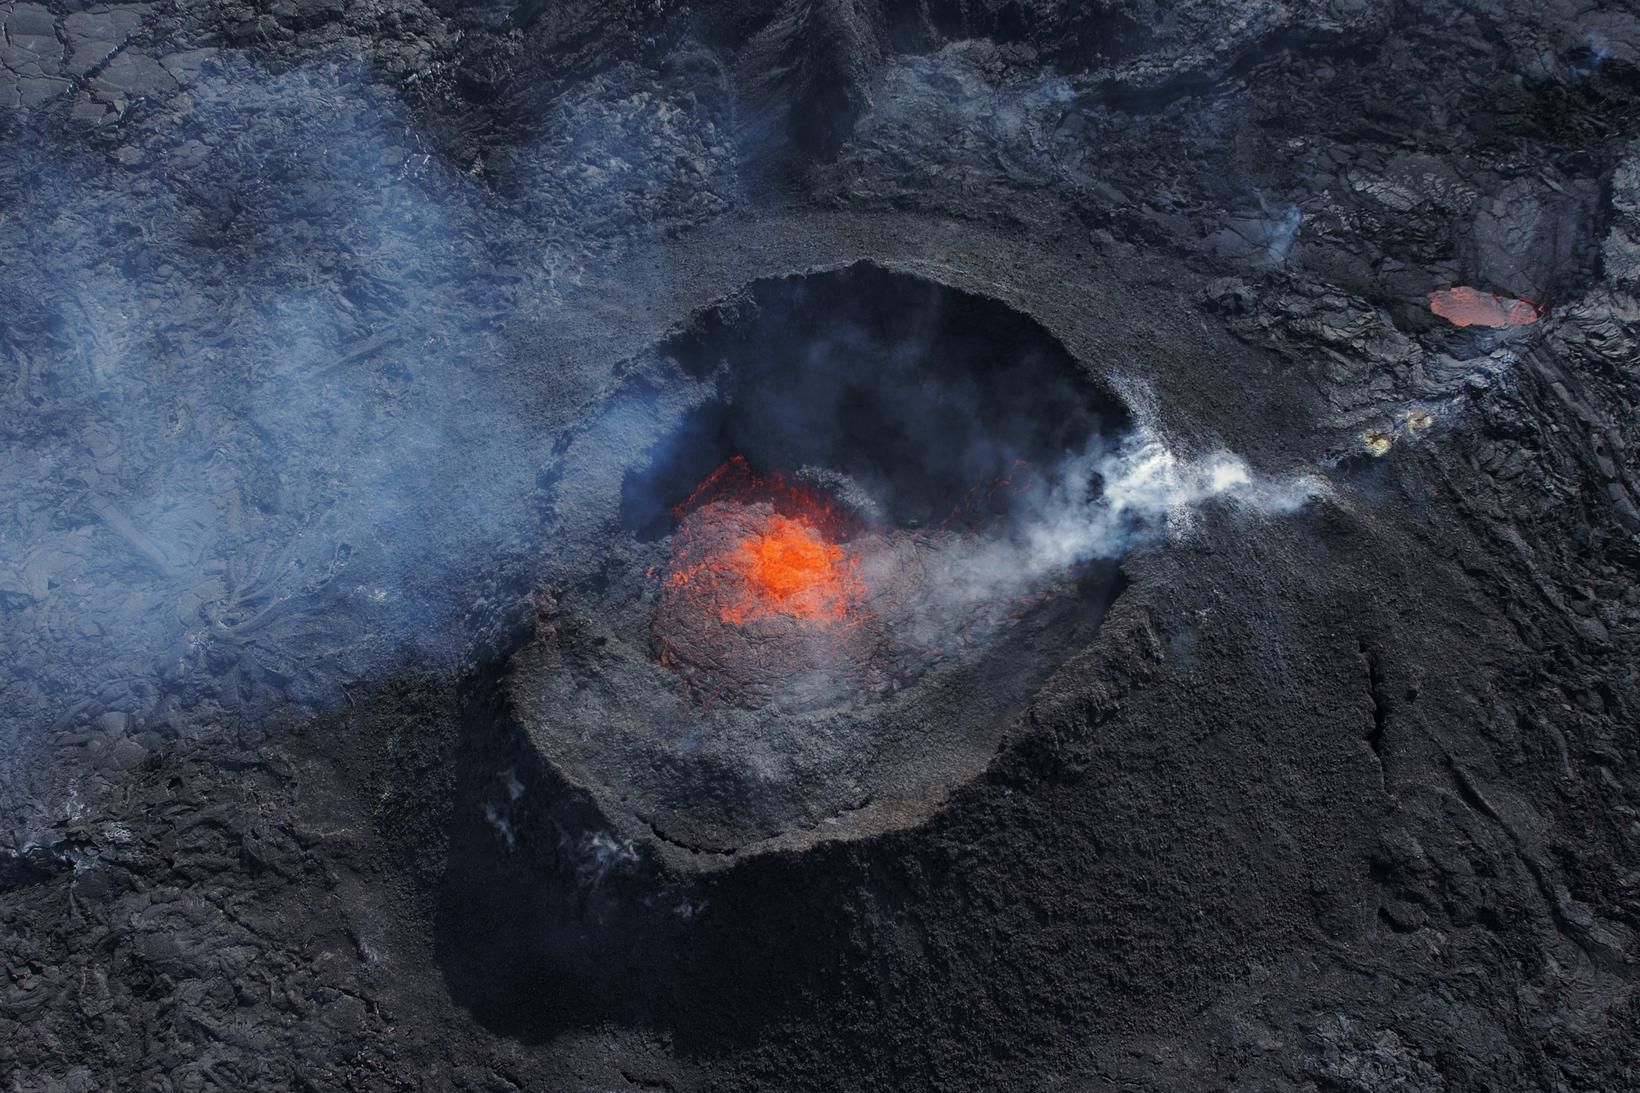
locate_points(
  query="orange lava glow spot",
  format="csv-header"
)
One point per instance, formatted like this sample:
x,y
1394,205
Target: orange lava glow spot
x,y
789,568
751,548
774,593
1466,306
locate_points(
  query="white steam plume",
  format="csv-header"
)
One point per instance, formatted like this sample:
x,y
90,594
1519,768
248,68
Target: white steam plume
x,y
1142,489
1100,506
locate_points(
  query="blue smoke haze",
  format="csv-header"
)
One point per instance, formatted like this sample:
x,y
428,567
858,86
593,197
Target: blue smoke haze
x,y
258,436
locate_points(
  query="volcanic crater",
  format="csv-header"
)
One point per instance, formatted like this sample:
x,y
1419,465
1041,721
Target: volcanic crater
x,y
783,617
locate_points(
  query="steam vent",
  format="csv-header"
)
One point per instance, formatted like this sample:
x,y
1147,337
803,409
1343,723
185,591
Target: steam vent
x,y
794,627
820,546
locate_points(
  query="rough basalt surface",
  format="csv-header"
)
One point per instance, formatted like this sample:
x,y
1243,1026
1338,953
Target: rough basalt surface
x,y
311,315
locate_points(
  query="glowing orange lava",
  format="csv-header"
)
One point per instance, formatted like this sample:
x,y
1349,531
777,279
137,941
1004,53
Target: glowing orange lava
x,y
752,548
789,568
775,595
1465,306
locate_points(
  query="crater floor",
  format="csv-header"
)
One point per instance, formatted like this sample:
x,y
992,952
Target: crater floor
x,y
712,716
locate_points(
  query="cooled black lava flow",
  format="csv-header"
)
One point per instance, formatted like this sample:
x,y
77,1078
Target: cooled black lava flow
x,y
905,400
545,921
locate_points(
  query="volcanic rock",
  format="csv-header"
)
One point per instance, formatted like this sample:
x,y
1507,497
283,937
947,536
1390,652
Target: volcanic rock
x,y
358,363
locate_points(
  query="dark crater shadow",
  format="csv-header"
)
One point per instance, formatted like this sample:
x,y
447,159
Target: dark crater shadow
x,y
547,921
917,392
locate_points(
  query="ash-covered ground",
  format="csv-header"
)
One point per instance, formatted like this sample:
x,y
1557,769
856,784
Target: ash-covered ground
x,y
340,342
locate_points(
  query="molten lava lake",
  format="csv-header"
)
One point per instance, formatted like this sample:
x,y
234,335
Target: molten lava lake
x,y
797,609
750,548
775,594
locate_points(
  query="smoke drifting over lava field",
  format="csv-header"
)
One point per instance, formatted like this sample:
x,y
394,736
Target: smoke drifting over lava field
x,y
817,545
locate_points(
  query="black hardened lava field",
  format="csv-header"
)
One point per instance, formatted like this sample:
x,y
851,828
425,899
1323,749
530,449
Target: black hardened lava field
x,y
814,545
